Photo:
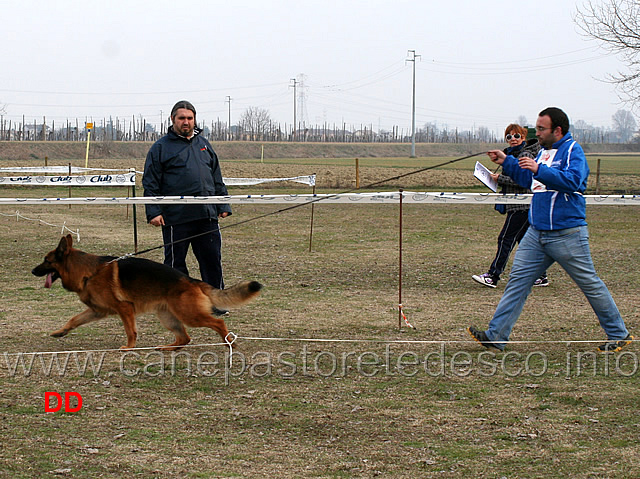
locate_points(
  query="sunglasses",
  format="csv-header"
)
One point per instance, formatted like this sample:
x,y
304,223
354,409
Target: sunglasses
x,y
510,137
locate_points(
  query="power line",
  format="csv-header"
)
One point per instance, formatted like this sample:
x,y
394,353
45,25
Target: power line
x,y
146,92
511,62
461,69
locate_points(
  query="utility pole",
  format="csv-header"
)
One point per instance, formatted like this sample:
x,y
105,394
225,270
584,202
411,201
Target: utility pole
x,y
229,124
295,82
302,106
412,58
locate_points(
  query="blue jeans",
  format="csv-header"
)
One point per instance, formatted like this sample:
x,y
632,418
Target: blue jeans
x,y
537,251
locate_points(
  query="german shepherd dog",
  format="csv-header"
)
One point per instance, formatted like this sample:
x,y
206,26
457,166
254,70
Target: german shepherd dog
x,y
132,286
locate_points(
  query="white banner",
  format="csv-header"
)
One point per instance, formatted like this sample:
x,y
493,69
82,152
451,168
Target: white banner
x,y
306,180
103,180
391,198
122,179
56,169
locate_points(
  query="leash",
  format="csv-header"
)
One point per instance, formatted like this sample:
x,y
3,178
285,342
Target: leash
x,y
292,207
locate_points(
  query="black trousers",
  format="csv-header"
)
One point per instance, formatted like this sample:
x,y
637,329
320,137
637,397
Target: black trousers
x,y
514,228
206,248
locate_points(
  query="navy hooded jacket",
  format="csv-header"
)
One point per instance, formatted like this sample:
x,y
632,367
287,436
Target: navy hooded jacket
x,y
178,166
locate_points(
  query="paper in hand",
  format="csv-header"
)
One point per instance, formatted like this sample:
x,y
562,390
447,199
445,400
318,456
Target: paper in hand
x,y
484,174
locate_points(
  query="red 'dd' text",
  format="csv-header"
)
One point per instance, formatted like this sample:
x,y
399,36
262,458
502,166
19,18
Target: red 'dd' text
x,y
53,401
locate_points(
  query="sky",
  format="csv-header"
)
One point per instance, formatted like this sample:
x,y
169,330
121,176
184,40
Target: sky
x,y
481,63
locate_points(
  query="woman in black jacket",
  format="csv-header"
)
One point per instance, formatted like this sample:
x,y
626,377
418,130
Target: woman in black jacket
x,y
517,221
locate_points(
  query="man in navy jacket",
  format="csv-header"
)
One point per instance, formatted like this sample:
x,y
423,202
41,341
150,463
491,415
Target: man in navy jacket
x,y
183,163
557,233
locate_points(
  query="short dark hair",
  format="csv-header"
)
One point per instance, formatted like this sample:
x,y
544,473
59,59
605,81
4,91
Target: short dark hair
x,y
183,104
558,118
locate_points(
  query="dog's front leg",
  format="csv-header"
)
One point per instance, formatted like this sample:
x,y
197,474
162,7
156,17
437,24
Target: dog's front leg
x,y
128,317
85,317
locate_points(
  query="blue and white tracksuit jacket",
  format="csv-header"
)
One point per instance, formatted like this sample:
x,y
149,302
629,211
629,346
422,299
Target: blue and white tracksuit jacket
x,y
558,186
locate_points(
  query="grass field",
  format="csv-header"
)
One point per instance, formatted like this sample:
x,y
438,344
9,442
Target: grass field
x,y
324,383
619,173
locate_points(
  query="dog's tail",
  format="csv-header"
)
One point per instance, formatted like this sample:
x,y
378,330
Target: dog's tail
x,y
236,295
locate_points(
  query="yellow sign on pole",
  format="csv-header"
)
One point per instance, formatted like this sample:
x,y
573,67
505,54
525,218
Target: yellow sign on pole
x,y
86,158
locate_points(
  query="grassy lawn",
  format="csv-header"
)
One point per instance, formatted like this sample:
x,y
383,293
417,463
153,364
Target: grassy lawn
x,y
324,383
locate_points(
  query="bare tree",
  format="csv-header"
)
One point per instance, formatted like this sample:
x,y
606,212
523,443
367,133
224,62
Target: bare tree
x,y
616,24
522,121
624,125
430,132
485,135
255,122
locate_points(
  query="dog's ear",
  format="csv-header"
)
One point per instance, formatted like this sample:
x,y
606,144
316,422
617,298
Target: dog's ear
x,y
63,247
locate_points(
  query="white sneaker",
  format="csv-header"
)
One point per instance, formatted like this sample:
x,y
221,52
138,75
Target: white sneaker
x,y
485,279
543,281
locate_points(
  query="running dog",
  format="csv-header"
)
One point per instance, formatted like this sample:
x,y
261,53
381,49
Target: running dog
x,y
133,286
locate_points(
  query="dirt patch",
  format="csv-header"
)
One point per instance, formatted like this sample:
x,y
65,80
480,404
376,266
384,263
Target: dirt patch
x,y
343,176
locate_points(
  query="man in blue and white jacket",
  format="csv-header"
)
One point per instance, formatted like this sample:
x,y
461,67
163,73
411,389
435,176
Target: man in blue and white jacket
x,y
558,232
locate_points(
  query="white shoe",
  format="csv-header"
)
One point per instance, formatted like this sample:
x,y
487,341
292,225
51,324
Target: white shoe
x,y
485,279
543,281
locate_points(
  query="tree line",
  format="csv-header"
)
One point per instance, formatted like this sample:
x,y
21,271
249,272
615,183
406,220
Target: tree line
x,y
256,124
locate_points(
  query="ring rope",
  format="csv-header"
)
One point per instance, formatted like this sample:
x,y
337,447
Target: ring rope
x,y
231,338
64,227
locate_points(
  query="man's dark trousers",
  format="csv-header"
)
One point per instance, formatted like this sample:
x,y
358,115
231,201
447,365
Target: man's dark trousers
x,y
206,242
